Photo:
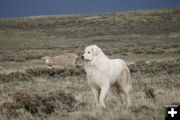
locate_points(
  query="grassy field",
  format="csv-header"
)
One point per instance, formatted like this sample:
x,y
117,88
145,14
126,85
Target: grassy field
x,y
149,41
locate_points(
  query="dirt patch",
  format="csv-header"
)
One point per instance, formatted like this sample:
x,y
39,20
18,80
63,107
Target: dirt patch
x,y
150,92
36,104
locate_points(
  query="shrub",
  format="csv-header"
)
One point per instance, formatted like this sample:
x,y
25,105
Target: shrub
x,y
15,76
55,72
169,67
36,104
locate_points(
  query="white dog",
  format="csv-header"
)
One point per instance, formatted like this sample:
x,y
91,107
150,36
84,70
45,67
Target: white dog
x,y
104,74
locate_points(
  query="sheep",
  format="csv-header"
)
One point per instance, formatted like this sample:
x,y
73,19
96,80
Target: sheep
x,y
64,60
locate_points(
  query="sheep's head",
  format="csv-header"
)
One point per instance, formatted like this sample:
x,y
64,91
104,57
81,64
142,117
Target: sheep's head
x,y
46,59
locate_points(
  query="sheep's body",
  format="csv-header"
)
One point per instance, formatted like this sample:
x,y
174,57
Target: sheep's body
x,y
65,60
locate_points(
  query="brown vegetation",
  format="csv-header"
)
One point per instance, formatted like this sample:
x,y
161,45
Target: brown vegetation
x,y
36,104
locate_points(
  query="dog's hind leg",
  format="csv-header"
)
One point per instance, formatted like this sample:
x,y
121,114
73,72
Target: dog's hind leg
x,y
126,92
126,87
116,90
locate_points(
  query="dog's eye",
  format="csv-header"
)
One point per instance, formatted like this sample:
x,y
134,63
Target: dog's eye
x,y
88,52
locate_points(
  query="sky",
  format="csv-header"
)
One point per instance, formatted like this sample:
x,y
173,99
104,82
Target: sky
x,y
22,8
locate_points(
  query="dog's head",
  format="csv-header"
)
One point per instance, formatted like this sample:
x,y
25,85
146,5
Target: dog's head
x,y
91,52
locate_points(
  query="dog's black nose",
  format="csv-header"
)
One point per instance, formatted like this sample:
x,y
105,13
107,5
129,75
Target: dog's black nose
x,y
82,57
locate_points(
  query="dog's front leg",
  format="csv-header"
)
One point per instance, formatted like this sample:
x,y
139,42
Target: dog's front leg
x,y
103,93
96,92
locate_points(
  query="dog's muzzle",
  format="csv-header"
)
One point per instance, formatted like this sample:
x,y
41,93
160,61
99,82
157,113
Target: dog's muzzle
x,y
82,57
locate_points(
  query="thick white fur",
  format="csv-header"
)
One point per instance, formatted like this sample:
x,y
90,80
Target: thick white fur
x,y
106,74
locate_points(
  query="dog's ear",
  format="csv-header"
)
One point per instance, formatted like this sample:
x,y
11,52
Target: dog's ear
x,y
95,49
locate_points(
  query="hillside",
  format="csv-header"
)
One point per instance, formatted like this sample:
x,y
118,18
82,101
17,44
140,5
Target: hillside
x,y
54,28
